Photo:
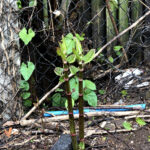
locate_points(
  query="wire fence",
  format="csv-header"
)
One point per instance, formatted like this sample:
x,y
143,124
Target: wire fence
x,y
99,20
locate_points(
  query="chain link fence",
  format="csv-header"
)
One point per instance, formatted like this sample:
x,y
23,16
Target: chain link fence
x,y
99,20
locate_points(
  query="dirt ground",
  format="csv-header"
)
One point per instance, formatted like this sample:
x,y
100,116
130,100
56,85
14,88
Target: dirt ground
x,y
43,136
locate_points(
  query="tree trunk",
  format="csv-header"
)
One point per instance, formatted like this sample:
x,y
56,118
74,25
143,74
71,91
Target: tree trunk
x,y
10,61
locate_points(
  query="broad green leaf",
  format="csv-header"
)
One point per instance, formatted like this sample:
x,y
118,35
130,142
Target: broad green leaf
x,y
118,53
63,102
61,79
74,86
32,3
59,90
89,56
71,59
78,46
76,53
24,85
81,145
66,103
73,69
27,70
140,121
89,85
127,125
70,43
80,38
102,92
60,53
91,98
25,95
59,71
63,46
117,48
27,103
110,59
26,37
19,4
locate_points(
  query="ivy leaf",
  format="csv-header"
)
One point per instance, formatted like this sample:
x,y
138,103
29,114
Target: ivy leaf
x,y
25,95
26,37
71,59
56,98
117,48
59,71
32,3
110,59
89,56
73,69
127,125
28,103
102,92
24,85
90,97
89,85
74,86
27,70
19,4
140,121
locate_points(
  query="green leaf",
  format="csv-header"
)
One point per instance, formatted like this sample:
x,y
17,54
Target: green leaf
x,y
117,48
102,92
59,90
127,125
63,102
80,38
81,145
19,4
70,43
28,103
140,121
59,71
56,99
89,56
32,3
90,97
61,79
148,138
89,85
66,103
63,46
27,70
25,95
124,93
73,69
118,53
71,59
110,59
74,87
24,85
78,46
26,37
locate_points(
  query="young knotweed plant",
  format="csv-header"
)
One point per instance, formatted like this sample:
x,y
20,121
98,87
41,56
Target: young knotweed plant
x,y
82,60
64,50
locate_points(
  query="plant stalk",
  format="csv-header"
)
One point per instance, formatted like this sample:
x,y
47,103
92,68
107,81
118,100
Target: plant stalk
x,y
70,108
81,111
45,13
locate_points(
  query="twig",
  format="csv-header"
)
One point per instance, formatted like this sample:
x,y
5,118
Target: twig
x,y
91,132
135,116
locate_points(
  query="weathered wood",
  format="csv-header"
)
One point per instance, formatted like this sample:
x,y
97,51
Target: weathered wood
x,y
98,24
123,19
110,28
9,58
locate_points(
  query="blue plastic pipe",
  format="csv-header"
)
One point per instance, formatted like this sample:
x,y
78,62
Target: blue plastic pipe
x,y
88,110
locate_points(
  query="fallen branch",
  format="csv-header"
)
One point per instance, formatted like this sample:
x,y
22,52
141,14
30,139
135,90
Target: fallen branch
x,y
76,116
135,116
97,54
91,132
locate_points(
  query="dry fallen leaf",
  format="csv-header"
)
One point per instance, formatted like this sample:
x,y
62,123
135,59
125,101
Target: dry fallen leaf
x,y
8,133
